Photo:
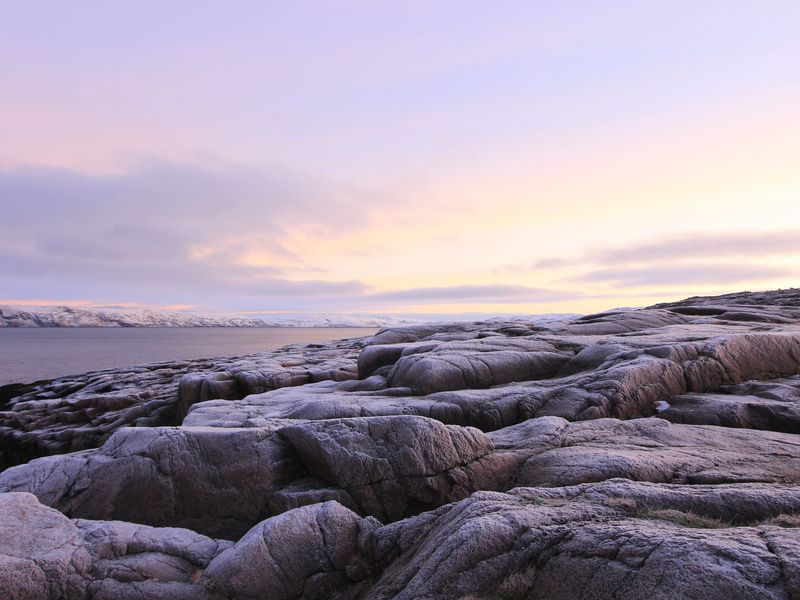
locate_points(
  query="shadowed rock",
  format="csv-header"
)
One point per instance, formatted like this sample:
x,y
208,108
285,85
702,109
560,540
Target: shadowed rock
x,y
82,411
611,540
45,555
334,361
772,405
622,376
216,481
555,452
524,428
302,553
395,466
619,364
424,374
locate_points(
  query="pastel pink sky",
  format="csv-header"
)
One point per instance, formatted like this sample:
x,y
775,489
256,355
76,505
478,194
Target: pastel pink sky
x,y
409,157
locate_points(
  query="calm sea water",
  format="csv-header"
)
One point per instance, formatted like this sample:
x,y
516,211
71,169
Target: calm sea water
x,y
28,355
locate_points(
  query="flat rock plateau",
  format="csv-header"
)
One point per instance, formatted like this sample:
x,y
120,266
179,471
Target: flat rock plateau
x,y
632,454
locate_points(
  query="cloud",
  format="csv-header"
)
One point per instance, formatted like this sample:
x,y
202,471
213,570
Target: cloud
x,y
688,246
225,236
489,294
703,245
547,263
169,233
687,274
156,196
166,233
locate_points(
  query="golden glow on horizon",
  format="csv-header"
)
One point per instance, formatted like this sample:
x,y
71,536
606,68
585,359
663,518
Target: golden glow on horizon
x,y
540,150
742,179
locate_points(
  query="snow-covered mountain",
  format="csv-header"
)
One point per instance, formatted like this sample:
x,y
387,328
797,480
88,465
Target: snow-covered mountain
x,y
65,316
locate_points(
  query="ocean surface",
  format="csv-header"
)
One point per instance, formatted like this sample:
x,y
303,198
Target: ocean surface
x,y
28,355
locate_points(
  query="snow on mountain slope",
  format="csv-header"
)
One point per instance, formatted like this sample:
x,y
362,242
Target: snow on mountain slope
x,y
64,316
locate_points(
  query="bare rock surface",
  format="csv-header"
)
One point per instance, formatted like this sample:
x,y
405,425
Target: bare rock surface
x,y
623,376
613,540
45,555
429,372
772,405
395,466
302,553
788,298
82,411
216,481
222,481
553,451
630,454
616,539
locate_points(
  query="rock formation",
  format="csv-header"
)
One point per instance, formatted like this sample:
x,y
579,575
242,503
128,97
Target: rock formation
x,y
78,412
631,454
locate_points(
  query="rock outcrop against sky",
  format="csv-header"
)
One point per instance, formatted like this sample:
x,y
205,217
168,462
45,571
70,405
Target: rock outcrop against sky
x,y
631,454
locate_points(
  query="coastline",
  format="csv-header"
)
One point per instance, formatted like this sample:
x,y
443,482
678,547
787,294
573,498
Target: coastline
x,y
666,436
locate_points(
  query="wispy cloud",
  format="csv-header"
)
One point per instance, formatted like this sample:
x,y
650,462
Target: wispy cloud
x,y
226,237
690,274
167,233
689,246
490,294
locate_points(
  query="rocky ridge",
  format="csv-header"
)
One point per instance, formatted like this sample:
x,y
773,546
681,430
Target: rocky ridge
x,y
632,454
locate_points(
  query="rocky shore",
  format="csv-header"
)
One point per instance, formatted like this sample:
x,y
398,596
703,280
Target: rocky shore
x,y
650,453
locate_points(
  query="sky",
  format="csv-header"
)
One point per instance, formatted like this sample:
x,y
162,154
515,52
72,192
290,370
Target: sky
x,y
397,157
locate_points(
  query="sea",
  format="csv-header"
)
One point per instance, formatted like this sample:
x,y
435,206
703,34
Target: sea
x,y
33,354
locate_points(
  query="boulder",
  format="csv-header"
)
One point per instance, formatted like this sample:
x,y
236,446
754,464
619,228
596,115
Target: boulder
x,y
45,555
395,466
424,374
303,553
213,480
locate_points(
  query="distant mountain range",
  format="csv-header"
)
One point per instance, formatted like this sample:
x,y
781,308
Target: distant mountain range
x,y
65,316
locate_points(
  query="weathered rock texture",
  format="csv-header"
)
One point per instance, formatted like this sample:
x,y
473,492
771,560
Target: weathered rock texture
x,y
631,454
215,481
45,555
614,540
302,553
82,411
617,539
395,466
